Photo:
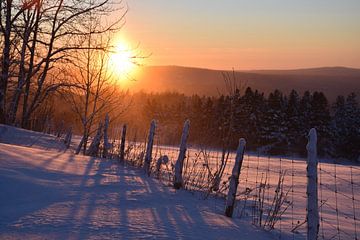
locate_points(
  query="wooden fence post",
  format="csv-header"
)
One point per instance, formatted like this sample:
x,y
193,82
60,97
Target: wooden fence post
x,y
67,139
60,129
178,180
149,147
234,179
94,147
106,137
122,144
312,215
162,160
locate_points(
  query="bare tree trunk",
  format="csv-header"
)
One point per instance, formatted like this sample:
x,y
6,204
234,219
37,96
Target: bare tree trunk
x,y
24,119
5,64
149,148
37,100
122,144
106,138
85,139
61,129
21,78
312,216
234,179
178,180
78,149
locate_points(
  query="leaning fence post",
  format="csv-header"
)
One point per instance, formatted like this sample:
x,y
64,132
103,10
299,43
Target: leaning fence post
x,y
234,179
149,147
122,144
60,130
312,215
94,146
178,180
67,139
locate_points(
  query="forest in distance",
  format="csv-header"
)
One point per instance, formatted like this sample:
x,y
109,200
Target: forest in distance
x,y
276,123
332,81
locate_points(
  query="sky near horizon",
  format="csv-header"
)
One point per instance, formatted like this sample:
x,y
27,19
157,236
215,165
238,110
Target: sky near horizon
x,y
244,34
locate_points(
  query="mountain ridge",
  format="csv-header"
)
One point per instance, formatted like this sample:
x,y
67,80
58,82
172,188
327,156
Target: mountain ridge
x,y
333,81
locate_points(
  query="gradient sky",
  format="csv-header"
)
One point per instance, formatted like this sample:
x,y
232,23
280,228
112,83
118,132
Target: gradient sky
x,y
252,34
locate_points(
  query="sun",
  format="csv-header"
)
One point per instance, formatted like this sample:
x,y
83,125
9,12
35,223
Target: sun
x,y
121,60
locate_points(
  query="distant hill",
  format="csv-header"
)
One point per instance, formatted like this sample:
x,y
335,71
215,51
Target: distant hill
x,y
324,71
332,81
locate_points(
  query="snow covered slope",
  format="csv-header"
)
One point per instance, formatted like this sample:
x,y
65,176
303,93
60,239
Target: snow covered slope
x,y
22,137
57,195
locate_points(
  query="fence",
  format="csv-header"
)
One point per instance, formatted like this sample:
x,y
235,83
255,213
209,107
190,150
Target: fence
x,y
273,192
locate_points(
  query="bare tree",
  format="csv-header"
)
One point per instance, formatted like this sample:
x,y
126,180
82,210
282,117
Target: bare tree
x,y
6,20
49,32
233,89
97,92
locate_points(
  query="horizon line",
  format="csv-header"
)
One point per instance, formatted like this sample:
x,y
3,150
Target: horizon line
x,y
258,69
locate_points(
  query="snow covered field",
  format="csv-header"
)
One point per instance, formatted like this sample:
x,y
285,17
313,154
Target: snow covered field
x,y
338,190
52,194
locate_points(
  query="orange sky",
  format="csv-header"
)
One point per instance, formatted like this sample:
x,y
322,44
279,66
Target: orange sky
x,y
243,34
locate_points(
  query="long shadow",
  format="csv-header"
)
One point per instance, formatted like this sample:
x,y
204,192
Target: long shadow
x,y
91,204
50,160
10,154
172,218
178,219
115,195
169,217
66,163
174,215
34,188
76,200
26,190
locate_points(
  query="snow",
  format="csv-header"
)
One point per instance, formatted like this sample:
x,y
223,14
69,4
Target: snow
x,y
47,192
52,194
22,137
256,169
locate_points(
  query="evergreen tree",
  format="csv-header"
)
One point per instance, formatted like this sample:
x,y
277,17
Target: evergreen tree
x,y
293,120
248,116
208,122
320,120
305,106
346,127
196,116
257,115
274,127
304,121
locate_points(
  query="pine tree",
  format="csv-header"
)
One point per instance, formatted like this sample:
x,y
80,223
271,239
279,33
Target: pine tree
x,y
208,122
304,121
248,114
196,117
346,128
274,128
293,119
320,120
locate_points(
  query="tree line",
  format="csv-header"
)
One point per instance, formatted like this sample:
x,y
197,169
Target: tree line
x,y
275,124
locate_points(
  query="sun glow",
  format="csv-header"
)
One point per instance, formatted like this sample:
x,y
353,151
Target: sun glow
x,y
121,61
